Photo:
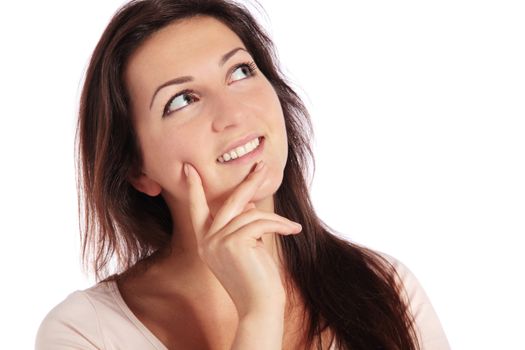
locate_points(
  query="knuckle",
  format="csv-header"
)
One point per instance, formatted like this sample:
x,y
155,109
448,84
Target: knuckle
x,y
229,243
259,221
248,215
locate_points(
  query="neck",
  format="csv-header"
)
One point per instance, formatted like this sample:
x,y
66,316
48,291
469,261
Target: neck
x,y
180,265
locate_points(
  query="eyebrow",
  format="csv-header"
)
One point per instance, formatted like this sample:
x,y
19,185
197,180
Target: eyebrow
x,y
187,78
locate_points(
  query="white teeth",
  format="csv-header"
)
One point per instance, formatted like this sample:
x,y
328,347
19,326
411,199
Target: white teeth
x,y
250,146
239,151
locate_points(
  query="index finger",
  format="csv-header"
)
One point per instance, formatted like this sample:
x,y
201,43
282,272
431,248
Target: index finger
x,y
240,197
198,205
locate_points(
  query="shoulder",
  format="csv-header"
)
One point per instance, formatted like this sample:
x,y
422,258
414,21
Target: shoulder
x,y
74,322
428,326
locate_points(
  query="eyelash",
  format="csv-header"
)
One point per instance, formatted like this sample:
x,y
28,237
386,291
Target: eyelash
x,y
251,72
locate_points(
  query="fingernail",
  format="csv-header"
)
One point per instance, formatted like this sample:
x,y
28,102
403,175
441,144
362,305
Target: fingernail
x,y
259,166
186,169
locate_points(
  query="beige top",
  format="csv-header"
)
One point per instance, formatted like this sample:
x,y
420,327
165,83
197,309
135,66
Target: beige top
x,y
98,318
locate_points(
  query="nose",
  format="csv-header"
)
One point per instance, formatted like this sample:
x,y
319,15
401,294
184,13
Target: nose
x,y
229,111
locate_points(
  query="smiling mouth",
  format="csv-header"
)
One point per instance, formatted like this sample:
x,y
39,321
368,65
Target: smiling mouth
x,y
248,149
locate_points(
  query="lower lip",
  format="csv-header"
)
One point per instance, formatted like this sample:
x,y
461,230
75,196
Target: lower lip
x,y
249,157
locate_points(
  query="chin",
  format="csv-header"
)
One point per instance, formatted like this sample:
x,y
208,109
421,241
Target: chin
x,y
268,188
262,195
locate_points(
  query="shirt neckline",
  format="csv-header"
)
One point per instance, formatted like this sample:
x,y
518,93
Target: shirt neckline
x,y
124,307
113,286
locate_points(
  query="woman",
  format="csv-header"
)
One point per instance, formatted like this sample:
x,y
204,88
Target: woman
x,y
193,159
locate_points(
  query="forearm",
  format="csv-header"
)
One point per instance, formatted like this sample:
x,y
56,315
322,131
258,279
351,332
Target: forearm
x,y
259,333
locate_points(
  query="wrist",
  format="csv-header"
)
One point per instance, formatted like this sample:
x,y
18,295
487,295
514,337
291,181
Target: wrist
x,y
259,331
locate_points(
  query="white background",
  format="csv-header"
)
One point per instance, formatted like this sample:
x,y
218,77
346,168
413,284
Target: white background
x,y
419,114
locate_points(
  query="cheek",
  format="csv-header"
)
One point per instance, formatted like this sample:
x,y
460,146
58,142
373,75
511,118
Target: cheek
x,y
164,157
279,128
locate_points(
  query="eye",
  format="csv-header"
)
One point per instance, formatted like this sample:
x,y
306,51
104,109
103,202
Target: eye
x,y
179,101
244,70
187,96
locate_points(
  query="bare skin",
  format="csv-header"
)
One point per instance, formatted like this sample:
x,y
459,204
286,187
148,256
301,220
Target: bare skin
x,y
220,286
188,316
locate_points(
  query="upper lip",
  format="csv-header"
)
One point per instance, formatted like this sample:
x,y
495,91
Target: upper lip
x,y
239,142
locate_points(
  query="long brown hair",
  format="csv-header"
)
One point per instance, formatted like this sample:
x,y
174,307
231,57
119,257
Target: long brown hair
x,y
348,288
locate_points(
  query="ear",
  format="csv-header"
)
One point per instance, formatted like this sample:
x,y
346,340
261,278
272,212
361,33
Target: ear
x,y
144,184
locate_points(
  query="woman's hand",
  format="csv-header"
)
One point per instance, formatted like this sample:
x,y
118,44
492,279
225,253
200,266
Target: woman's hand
x,y
232,247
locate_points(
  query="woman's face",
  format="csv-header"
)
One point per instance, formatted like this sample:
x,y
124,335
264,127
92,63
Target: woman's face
x,y
193,96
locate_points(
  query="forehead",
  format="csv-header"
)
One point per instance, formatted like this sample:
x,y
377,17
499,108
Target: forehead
x,y
179,49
